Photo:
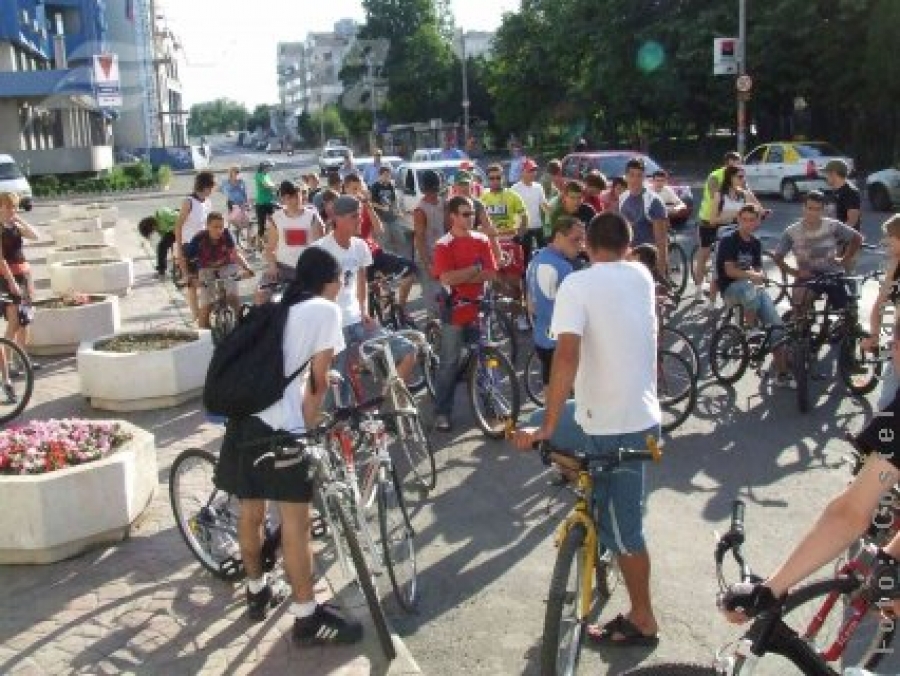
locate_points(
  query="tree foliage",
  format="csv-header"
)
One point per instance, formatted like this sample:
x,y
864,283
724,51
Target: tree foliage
x,y
217,117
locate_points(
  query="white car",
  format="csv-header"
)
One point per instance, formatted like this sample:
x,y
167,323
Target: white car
x,y
332,158
789,168
883,189
13,180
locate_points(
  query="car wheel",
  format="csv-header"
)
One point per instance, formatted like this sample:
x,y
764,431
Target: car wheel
x,y
879,197
789,191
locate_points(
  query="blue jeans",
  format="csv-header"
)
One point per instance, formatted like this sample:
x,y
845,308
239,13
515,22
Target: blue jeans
x,y
358,333
452,340
754,299
619,495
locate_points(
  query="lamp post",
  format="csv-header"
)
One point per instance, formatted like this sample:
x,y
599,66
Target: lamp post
x,y
465,86
370,65
742,70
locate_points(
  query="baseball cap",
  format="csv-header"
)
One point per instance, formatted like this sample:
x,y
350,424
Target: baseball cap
x,y
462,178
529,165
346,205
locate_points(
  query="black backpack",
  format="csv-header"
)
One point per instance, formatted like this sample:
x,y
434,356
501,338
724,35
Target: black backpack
x,y
246,373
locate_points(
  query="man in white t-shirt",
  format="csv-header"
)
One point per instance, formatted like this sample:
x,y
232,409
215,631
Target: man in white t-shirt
x,y
604,322
532,194
354,257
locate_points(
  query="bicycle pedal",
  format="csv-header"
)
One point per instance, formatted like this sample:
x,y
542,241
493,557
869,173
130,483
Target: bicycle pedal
x,y
231,569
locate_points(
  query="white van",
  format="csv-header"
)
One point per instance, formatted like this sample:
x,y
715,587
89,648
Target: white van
x,y
409,192
13,180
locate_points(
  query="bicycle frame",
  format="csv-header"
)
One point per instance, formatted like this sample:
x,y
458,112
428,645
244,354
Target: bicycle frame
x,y
581,514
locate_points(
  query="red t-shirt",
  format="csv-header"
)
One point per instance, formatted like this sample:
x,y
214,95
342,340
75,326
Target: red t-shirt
x,y
365,231
455,253
596,202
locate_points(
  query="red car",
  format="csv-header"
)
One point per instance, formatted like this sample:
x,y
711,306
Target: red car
x,y
612,163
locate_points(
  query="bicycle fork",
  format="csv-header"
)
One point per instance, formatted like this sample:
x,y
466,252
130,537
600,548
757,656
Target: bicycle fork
x,y
588,555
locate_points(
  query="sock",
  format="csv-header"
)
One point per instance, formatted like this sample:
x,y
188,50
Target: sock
x,y
302,610
256,586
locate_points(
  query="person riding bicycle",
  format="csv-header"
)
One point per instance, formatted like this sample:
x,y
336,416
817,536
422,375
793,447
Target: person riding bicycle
x,y
312,335
605,326
740,278
195,210
547,270
216,256
676,209
510,216
265,195
163,223
237,201
706,230
815,242
889,293
463,261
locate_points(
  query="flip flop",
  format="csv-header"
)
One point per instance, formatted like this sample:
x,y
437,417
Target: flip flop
x,y
629,635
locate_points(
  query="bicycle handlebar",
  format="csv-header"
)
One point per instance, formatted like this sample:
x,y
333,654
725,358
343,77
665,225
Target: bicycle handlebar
x,y
653,453
733,540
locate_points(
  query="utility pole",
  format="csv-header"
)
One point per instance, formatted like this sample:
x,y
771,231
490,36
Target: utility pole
x,y
742,70
465,88
370,64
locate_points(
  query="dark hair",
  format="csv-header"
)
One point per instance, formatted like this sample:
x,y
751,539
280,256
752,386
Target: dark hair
x,y
334,179
315,268
573,186
728,179
608,231
635,163
203,181
147,226
618,181
659,173
647,254
581,145
287,188
214,216
554,167
595,179
815,196
384,170
352,177
455,202
732,156
749,209
329,195
429,181
495,167
563,224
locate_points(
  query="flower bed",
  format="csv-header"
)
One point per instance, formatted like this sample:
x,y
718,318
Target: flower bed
x,y
69,485
63,322
102,275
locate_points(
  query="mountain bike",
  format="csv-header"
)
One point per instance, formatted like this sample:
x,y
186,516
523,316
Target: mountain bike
x,y
246,233
679,267
582,574
384,305
222,317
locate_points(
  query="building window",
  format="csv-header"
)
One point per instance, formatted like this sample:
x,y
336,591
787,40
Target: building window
x,y
25,16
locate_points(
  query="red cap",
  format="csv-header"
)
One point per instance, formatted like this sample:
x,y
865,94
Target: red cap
x,y
465,164
529,165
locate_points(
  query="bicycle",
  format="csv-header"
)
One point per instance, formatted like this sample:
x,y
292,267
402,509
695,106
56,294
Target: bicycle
x,y
492,384
676,389
576,596
222,317
207,517
383,302
17,376
246,234
679,267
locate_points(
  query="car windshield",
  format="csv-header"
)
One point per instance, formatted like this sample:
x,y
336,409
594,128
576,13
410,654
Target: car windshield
x,y
810,151
335,152
614,165
9,171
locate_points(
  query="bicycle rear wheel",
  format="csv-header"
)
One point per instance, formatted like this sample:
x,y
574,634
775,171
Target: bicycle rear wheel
x,y
677,341
676,387
221,323
363,575
679,267
397,540
729,354
414,444
206,517
533,378
19,385
493,392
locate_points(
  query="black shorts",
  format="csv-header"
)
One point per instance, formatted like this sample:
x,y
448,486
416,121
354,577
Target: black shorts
x,y
263,211
246,440
545,356
390,264
707,234
192,266
21,280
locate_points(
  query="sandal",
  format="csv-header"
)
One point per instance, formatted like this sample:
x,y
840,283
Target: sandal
x,y
629,635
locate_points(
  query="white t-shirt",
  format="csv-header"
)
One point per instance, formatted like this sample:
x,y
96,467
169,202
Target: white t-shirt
x,y
196,218
353,261
533,196
312,327
612,307
294,234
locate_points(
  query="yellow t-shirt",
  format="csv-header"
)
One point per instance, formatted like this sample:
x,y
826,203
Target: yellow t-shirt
x,y
506,210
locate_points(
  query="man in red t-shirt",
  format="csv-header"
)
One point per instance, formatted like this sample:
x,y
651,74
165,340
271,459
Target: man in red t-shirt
x,y
463,261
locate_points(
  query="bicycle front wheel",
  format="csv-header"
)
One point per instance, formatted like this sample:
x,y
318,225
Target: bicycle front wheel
x,y
397,541
676,387
729,354
414,444
860,370
679,267
206,517
534,378
493,392
19,385
221,323
502,333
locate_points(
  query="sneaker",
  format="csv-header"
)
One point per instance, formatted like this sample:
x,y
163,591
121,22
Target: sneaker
x,y
326,625
10,393
785,381
522,323
442,423
258,604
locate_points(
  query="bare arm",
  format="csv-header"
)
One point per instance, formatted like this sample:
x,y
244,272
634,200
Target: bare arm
x,y
26,230
377,225
314,393
362,292
179,226
850,252
883,293
734,272
661,238
420,225
317,229
272,237
469,275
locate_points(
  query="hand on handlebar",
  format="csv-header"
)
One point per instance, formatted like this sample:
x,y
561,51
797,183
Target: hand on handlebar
x,y
745,600
525,438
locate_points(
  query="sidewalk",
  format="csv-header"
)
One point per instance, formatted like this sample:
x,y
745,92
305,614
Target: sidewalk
x,y
144,606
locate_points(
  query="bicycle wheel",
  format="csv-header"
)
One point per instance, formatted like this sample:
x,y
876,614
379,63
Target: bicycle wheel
x,y
679,268
502,334
221,323
774,273
672,669
206,517
729,354
416,448
676,387
397,540
493,392
363,576
800,356
823,612
19,385
677,341
563,625
860,370
533,378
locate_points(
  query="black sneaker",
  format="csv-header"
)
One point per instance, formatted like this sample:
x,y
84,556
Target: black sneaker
x,y
258,604
326,625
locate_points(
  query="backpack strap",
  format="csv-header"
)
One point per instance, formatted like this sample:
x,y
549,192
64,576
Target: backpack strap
x,y
290,378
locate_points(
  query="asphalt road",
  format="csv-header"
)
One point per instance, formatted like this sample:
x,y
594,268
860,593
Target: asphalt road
x,y
485,540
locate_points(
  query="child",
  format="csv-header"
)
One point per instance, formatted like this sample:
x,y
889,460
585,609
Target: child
x,y
163,223
647,254
216,256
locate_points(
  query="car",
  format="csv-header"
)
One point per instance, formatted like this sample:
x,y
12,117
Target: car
x,y
612,163
336,142
883,189
332,157
427,155
230,134
409,179
790,168
13,180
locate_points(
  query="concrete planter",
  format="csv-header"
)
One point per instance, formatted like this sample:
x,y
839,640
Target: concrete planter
x,y
61,330
108,214
155,379
75,224
49,517
102,275
74,237
81,252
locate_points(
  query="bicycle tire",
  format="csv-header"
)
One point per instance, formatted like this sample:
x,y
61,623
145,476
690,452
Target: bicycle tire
x,y
221,323
414,443
677,341
679,265
801,355
773,272
859,371
672,669
214,516
562,595
866,653
363,576
533,378
677,406
397,530
728,346
486,405
21,380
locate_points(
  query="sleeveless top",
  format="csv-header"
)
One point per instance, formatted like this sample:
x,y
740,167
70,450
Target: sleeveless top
x,y
11,244
294,234
196,220
730,206
435,223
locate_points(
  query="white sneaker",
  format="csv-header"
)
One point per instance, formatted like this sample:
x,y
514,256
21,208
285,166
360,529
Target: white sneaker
x,y
522,324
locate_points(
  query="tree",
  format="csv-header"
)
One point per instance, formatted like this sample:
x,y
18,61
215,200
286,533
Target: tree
x,y
261,118
216,117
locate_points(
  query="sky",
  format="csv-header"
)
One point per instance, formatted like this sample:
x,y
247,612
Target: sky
x,y
229,45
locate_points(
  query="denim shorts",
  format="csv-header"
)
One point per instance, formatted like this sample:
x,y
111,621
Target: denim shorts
x,y
619,496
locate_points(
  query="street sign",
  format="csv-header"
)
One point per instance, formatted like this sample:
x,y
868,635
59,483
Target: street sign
x,y
725,56
744,84
107,87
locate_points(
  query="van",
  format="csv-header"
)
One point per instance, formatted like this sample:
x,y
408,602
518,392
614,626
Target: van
x,y
13,180
409,191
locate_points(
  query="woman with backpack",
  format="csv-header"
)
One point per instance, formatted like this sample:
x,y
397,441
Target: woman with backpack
x,y
312,336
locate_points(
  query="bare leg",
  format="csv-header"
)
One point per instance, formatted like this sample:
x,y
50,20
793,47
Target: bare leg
x,y
404,289
250,536
296,551
700,265
192,300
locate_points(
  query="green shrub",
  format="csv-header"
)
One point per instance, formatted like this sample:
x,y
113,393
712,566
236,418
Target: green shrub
x,y
137,172
45,186
164,175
